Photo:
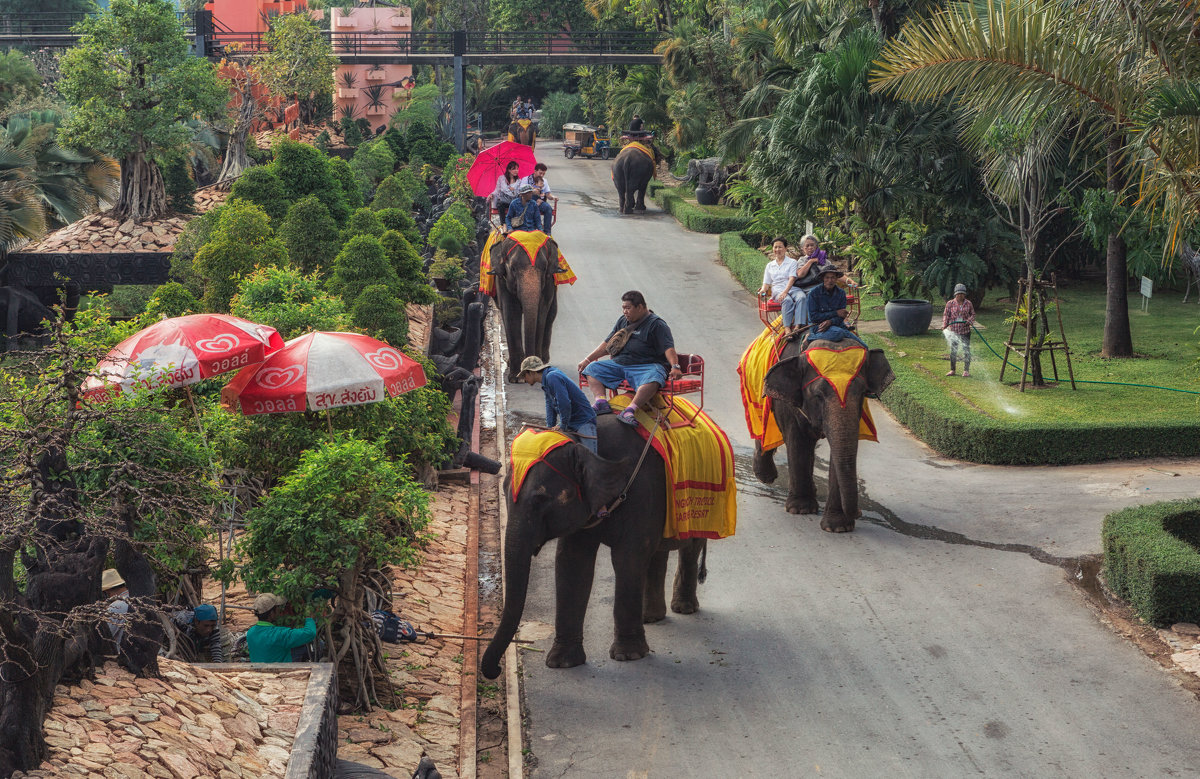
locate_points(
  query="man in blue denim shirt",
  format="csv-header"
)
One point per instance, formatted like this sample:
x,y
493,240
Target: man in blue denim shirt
x,y
567,408
827,302
524,214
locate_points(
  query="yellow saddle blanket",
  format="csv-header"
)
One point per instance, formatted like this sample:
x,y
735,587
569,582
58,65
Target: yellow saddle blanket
x,y
643,148
701,489
838,368
528,449
531,241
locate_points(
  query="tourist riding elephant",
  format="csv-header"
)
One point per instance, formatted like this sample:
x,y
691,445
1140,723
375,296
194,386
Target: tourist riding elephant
x,y
632,170
807,408
523,131
527,296
559,498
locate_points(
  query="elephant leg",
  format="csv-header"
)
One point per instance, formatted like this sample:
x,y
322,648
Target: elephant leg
x,y
641,197
841,507
654,602
834,520
574,568
764,464
801,450
629,569
684,599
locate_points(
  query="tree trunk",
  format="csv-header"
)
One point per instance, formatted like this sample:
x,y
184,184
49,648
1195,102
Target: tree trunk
x,y
1118,340
876,17
236,160
143,193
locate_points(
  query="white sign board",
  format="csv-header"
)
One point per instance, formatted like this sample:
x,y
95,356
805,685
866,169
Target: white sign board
x,y
1147,287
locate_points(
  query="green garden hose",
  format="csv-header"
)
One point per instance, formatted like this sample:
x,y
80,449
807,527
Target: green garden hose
x,y
1085,381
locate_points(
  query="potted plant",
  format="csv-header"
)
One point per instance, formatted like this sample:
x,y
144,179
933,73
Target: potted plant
x,y
375,102
707,195
347,83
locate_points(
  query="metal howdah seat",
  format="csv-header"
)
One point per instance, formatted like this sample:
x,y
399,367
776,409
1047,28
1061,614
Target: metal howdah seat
x,y
494,213
769,309
690,383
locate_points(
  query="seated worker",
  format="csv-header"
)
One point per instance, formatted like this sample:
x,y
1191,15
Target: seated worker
x,y
199,626
567,408
647,360
271,643
636,125
523,214
827,308
542,195
112,586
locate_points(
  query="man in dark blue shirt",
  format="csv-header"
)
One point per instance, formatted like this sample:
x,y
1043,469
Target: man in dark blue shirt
x,y
524,214
827,301
647,360
567,408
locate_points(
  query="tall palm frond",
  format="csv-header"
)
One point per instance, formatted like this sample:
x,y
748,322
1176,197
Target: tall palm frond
x,y
22,215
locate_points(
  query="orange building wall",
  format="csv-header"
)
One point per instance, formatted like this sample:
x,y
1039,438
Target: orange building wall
x,y
369,21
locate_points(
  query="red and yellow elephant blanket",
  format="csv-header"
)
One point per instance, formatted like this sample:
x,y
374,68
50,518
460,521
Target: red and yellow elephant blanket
x,y
532,242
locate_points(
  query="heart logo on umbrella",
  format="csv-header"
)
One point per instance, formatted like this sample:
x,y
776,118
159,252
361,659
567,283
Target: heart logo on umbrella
x,y
221,343
274,378
385,359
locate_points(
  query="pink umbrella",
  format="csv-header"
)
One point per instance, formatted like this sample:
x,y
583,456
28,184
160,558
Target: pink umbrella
x,y
179,352
320,371
492,162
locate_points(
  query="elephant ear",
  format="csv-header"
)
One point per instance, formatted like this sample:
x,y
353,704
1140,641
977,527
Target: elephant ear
x,y
498,257
786,379
878,373
602,479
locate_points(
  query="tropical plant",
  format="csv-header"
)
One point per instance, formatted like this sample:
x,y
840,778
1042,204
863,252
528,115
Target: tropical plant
x,y
17,75
375,96
22,215
133,83
558,109
299,62
485,86
348,79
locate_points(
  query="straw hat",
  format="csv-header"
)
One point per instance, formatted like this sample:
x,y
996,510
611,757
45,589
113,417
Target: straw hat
x,y
531,364
110,579
267,601
831,268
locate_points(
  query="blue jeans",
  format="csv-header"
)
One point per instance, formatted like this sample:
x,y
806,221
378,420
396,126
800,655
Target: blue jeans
x,y
610,374
586,429
547,211
794,310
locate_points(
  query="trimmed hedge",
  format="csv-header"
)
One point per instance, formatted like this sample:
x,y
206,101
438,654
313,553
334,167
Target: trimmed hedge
x,y
959,432
694,217
1152,560
744,261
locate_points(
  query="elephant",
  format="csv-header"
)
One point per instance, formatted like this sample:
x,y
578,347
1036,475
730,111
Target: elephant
x,y
523,131
528,298
806,409
631,173
560,499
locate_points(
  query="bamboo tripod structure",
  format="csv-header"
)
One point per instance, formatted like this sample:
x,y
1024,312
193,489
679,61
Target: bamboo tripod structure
x,y
1035,295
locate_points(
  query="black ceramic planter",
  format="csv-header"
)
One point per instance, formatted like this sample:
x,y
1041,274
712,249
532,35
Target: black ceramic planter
x,y
707,196
906,316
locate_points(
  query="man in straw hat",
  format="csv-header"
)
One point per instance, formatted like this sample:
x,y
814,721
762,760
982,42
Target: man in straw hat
x,y
271,643
567,408
827,308
523,214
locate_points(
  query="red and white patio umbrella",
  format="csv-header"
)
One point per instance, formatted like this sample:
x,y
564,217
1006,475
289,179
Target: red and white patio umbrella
x,y
320,371
181,351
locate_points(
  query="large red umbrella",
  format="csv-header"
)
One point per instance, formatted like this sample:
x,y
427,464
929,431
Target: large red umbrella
x,y
181,351
492,162
320,371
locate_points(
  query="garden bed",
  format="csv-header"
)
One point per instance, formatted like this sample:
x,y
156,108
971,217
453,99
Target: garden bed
x,y
680,203
1152,560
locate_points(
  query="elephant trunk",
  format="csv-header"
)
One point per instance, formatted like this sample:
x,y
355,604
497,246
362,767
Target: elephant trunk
x,y
517,554
842,507
531,306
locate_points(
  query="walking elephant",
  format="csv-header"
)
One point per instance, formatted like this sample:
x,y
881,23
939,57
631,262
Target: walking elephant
x,y
807,407
559,499
523,131
632,170
527,296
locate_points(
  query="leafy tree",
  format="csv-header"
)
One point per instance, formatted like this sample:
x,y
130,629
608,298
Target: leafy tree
x,y
414,186
132,83
299,61
410,268
449,233
311,235
402,222
262,187
63,7
183,254
244,80
379,312
390,195
304,170
340,169
170,300
361,263
179,185
241,240
486,87
372,162
537,15
364,221
17,74
558,109
292,302
346,511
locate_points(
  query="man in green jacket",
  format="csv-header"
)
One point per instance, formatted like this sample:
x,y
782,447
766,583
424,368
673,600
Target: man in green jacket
x,y
270,643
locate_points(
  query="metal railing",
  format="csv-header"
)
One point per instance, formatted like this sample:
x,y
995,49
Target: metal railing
x,y
477,43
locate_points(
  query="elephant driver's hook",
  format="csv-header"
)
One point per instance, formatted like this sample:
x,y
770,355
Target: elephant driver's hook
x,y
606,511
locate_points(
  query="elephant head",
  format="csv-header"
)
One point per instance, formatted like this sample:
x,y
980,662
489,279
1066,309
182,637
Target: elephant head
x,y
822,412
527,295
559,496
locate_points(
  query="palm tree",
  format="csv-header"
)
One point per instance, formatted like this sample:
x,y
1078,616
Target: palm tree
x,y
484,86
22,215
1125,70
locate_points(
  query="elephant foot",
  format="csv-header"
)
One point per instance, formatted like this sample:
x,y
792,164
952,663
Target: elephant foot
x,y
685,605
650,617
513,378
640,210
629,649
802,506
565,655
837,525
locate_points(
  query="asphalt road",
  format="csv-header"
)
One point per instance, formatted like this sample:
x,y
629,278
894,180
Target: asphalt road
x,y
941,639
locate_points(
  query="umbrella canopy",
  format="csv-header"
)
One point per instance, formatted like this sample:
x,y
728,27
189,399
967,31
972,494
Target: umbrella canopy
x,y
492,161
320,371
180,351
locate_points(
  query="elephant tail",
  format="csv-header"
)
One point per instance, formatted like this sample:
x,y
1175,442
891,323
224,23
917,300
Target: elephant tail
x,y
703,573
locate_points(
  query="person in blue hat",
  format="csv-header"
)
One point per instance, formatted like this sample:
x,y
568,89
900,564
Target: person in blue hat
x,y
199,626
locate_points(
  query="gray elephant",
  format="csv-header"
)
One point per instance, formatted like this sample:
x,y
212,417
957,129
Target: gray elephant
x,y
559,499
527,295
807,408
631,172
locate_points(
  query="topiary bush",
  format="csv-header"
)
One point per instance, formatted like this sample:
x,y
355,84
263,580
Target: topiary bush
x,y
1152,560
345,179
304,170
694,217
292,302
372,163
364,221
402,222
391,194
415,187
379,312
463,215
241,240
180,186
171,300
450,234
744,261
263,188
361,263
409,266
310,234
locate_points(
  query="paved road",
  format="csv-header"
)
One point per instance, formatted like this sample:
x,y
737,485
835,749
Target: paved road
x,y
940,639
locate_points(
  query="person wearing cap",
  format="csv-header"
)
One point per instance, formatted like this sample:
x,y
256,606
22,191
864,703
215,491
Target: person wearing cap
x,y
567,408
524,214
200,627
957,319
115,591
271,643
827,302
